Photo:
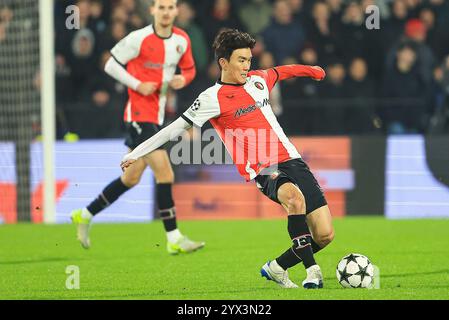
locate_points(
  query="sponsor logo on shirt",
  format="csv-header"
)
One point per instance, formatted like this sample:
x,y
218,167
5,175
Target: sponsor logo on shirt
x,y
151,65
245,110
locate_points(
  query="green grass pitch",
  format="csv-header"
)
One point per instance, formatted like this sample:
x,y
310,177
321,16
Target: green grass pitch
x,y
129,261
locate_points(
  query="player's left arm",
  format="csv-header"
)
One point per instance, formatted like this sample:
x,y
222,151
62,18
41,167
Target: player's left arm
x,y
279,73
188,69
300,70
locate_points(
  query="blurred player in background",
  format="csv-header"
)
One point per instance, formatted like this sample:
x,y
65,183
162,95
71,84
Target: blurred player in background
x,y
151,56
238,108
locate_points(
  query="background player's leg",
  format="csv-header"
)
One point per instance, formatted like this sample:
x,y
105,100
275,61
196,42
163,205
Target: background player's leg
x,y
163,173
83,217
159,162
116,188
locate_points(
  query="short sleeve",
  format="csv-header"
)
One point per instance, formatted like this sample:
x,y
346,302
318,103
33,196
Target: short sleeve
x,y
204,108
128,48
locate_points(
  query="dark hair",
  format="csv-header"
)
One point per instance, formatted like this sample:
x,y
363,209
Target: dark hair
x,y
229,40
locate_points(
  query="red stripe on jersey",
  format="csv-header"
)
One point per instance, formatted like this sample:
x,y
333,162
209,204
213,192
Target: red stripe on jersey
x,y
249,137
147,67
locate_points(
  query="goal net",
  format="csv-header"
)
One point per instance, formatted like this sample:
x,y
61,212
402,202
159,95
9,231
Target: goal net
x,y
19,106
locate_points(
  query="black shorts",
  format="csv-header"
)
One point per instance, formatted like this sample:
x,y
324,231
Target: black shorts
x,y
138,132
297,172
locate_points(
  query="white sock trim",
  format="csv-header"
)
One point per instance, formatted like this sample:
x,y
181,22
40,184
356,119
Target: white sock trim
x,y
85,214
174,235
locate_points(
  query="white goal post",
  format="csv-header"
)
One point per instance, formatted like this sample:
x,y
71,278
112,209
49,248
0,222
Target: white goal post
x,y
47,69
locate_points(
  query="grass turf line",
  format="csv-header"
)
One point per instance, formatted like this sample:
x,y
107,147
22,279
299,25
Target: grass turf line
x,y
129,261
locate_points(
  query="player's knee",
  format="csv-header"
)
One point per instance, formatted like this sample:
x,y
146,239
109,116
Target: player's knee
x,y
130,181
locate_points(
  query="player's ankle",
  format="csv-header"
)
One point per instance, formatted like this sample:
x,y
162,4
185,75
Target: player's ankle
x,y
174,235
85,214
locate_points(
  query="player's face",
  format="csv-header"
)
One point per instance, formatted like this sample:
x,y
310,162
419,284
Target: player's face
x,y
164,12
237,68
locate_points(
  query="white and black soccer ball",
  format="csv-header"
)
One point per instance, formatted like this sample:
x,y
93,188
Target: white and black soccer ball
x,y
355,271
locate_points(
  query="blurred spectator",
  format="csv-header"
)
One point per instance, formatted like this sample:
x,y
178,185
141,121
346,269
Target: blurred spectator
x,y
439,123
335,11
405,87
360,113
352,34
334,87
437,38
199,47
415,32
297,7
82,60
255,15
441,7
413,7
394,27
107,98
320,33
200,51
221,16
284,37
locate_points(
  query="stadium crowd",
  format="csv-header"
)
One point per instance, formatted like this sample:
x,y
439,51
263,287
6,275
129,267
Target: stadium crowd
x,y
394,79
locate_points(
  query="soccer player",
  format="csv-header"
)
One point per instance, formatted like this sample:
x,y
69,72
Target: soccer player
x,y
151,56
238,108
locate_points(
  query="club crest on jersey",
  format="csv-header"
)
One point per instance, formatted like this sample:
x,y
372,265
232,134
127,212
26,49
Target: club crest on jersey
x,y
179,49
259,85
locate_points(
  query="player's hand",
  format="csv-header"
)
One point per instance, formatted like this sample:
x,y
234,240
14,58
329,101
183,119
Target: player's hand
x,y
146,88
126,163
178,82
320,74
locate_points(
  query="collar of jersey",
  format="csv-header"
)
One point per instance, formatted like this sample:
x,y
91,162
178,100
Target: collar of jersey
x,y
230,84
160,37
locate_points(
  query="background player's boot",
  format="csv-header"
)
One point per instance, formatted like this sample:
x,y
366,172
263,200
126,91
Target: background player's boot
x,y
314,278
82,226
184,245
272,271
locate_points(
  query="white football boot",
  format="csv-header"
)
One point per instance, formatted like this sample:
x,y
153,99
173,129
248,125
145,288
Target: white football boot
x,y
83,223
314,278
274,272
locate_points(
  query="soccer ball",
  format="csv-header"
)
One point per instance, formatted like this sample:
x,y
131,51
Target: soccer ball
x,y
355,271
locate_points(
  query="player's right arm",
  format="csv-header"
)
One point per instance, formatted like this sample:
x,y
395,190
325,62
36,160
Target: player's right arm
x,y
124,51
162,137
204,108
